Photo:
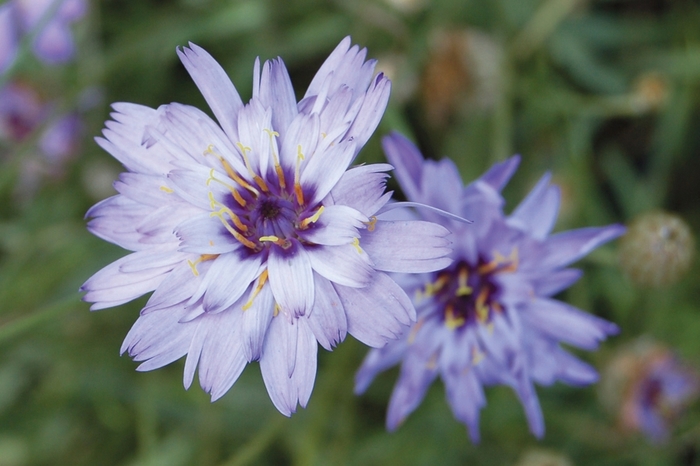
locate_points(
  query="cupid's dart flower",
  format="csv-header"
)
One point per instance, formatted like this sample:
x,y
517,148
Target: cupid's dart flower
x,y
489,318
254,235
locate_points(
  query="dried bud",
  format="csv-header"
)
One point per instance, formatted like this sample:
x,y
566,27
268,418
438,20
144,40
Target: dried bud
x,y
657,249
648,388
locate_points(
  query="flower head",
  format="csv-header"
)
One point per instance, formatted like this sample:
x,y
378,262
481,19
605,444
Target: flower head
x,y
254,235
649,387
54,43
489,318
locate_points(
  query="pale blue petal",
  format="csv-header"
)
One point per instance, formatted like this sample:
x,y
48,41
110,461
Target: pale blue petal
x,y
362,188
327,321
408,247
377,313
291,278
563,322
214,84
537,213
343,265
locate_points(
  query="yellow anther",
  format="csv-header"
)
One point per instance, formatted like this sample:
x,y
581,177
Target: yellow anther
x,y
356,243
225,210
283,243
372,224
257,290
307,221
202,258
434,287
482,311
297,187
278,167
452,321
258,180
242,239
463,289
165,189
276,310
414,331
236,195
477,356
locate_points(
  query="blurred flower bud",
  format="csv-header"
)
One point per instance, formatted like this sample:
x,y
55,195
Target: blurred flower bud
x,y
650,92
657,249
463,70
539,457
648,388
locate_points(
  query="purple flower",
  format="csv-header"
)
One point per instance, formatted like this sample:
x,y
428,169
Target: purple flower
x,y
256,239
489,318
54,43
21,111
650,388
8,36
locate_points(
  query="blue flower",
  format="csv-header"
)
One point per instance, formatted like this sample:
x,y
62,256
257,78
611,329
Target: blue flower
x,y
254,235
489,318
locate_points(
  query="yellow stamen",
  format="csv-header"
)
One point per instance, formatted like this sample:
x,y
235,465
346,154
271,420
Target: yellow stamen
x,y
477,356
283,243
463,289
276,311
223,209
297,187
230,172
356,243
278,167
414,331
256,291
482,311
372,224
165,189
202,258
245,241
233,190
259,181
451,320
307,221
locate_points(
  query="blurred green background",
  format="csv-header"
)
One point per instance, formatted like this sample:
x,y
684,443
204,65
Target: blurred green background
x,y
604,93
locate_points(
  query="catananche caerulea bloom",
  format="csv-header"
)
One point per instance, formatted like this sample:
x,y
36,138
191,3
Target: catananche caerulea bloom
x,y
489,318
258,240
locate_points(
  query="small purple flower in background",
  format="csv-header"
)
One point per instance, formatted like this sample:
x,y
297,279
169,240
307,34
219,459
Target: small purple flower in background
x,y
254,235
24,116
54,43
21,112
489,318
649,387
8,36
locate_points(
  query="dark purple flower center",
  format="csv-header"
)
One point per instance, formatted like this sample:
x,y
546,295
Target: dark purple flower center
x,y
468,293
265,212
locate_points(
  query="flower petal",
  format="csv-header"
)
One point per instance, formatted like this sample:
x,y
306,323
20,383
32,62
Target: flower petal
x,y
291,278
215,86
344,265
537,213
377,313
563,322
327,321
407,247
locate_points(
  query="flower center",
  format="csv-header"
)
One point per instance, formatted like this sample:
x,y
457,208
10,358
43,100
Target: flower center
x,y
468,293
266,212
